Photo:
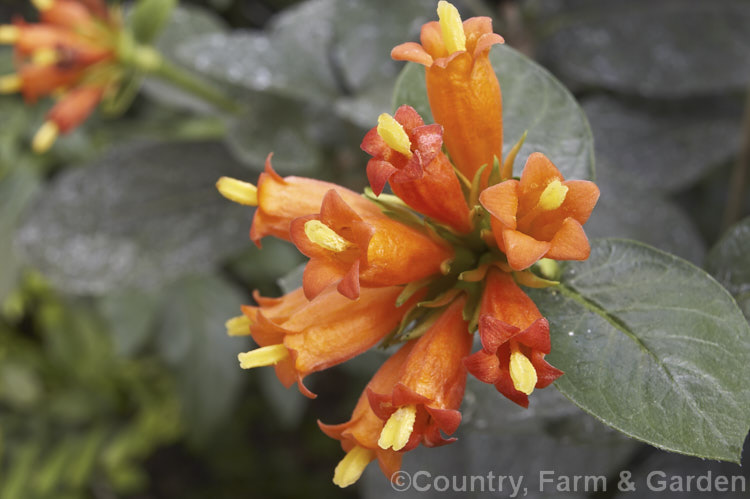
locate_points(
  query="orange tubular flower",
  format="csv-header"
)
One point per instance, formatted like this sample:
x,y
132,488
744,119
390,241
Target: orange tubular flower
x,y
426,398
350,250
515,339
300,337
541,215
281,200
409,154
364,262
359,436
462,88
70,52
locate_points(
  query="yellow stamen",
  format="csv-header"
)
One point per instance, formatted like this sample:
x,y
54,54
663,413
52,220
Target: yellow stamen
x,y
10,84
322,235
451,26
398,428
552,196
238,326
393,134
45,137
264,356
522,371
351,467
9,34
238,191
44,57
42,5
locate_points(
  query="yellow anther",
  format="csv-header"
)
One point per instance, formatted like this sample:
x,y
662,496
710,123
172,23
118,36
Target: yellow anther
x,y
42,5
552,196
351,467
322,235
45,137
393,134
9,34
398,428
44,57
238,191
451,26
264,356
238,326
522,371
10,84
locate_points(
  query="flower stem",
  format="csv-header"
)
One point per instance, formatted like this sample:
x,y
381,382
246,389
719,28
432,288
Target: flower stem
x,y
152,62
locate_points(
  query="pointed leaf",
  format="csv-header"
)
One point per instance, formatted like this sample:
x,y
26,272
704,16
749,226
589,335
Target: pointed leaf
x,y
654,347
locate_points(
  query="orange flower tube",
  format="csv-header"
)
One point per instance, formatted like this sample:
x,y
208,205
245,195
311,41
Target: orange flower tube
x,y
353,250
462,87
515,339
409,154
426,398
300,337
281,200
359,436
542,215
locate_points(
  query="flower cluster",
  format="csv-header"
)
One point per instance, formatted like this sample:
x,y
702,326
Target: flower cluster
x,y
70,54
425,267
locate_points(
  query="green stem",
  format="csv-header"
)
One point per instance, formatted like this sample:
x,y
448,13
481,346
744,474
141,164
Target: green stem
x,y
151,62
185,81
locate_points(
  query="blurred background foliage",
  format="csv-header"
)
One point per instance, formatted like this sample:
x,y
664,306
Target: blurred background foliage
x,y
120,262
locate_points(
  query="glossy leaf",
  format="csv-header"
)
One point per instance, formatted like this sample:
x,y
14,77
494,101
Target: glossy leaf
x,y
653,347
533,100
140,217
670,48
664,146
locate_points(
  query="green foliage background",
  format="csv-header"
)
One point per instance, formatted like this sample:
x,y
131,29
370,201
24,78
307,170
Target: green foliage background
x,y
120,262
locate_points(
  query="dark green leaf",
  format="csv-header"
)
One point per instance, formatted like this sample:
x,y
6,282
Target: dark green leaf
x,y
644,215
654,347
364,108
193,340
291,59
130,314
369,30
661,145
278,125
668,49
533,100
140,217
